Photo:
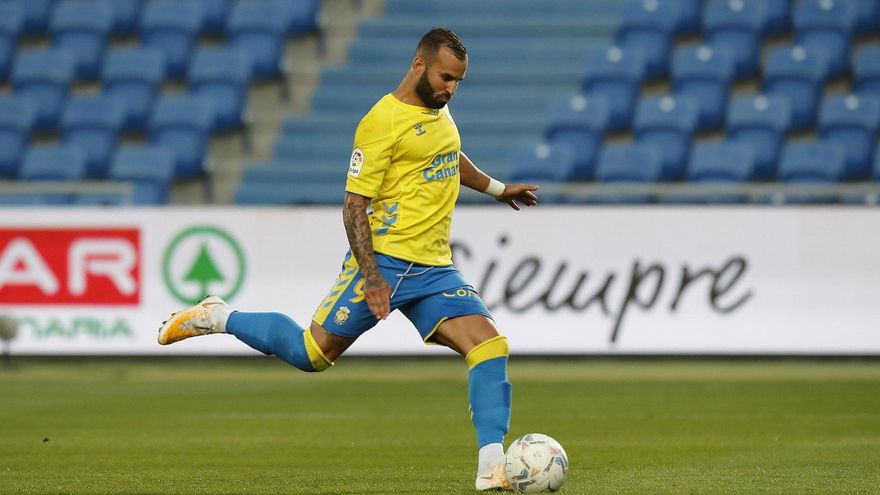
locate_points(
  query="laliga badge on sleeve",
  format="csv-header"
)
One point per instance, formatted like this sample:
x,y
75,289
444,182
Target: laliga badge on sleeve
x,y
356,163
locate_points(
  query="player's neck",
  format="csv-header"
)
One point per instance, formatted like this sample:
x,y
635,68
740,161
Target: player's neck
x,y
406,91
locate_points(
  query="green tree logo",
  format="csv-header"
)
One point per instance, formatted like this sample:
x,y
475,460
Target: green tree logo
x,y
203,260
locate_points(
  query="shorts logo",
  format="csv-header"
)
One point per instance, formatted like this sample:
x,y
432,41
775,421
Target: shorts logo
x,y
341,315
463,292
356,163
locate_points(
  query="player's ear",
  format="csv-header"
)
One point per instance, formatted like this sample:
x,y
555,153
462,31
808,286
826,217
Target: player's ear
x,y
418,65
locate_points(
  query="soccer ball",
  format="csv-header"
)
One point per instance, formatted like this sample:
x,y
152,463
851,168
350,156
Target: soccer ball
x,y
536,463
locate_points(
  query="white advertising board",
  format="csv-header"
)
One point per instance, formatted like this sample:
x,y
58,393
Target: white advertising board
x,y
558,280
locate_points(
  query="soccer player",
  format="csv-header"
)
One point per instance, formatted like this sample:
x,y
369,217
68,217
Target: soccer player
x,y
403,180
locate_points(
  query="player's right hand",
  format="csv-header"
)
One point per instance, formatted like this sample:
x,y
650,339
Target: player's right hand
x,y
377,292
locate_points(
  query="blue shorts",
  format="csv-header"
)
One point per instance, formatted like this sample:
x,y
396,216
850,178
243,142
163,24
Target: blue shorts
x,y
427,295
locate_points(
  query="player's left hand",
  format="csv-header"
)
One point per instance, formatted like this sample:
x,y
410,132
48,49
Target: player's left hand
x,y
519,194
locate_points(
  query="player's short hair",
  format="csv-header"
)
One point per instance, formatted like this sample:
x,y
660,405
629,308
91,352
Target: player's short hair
x,y
438,37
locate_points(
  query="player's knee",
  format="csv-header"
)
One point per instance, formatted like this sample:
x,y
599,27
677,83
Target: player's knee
x,y
317,358
492,348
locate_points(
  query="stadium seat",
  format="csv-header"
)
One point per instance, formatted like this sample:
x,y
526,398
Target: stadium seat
x,y
172,27
11,24
150,169
650,26
866,71
216,15
580,123
44,78
300,17
799,75
16,124
704,74
667,123
826,26
182,124
56,163
615,75
81,29
812,163
690,13
778,16
737,26
867,16
542,162
221,76
257,28
36,15
126,15
100,199
627,164
133,76
875,174
851,122
722,163
265,194
93,123
760,122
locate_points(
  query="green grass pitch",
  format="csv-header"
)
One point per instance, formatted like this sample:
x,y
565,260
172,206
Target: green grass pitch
x,y
371,426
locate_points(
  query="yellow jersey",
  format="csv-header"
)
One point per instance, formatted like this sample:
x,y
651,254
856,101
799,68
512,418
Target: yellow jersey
x,y
405,158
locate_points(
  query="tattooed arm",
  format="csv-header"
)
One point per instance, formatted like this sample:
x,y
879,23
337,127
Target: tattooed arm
x,y
357,226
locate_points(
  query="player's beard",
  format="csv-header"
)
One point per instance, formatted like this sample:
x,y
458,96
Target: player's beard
x,y
426,93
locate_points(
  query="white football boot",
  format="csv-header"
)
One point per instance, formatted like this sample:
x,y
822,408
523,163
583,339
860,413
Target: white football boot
x,y
205,317
495,480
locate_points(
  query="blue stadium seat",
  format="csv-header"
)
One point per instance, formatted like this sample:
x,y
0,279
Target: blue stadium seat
x,y
93,123
266,194
57,163
257,28
812,163
221,77
627,164
542,162
866,71
704,74
799,75
778,16
150,169
7,200
81,29
722,163
690,14
737,26
100,199
650,26
615,75
16,125
11,24
126,15
851,122
216,15
300,17
867,16
826,26
182,124
876,169
172,27
667,123
36,15
580,123
133,76
44,78
760,122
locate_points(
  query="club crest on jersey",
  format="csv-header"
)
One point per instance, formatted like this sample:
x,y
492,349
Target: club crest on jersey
x,y
341,315
419,129
356,163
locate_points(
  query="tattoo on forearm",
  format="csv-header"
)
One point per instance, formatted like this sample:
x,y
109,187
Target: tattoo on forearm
x,y
357,228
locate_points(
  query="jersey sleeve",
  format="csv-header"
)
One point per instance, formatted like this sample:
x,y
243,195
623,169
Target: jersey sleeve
x,y
371,155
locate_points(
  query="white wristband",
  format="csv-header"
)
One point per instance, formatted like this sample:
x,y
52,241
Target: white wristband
x,y
495,188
